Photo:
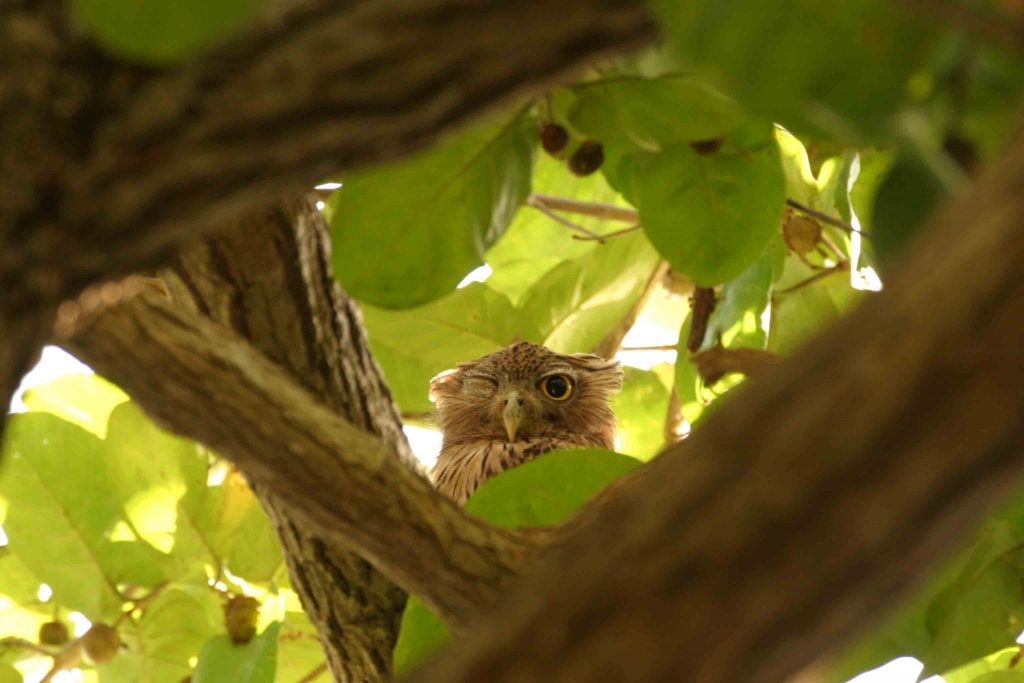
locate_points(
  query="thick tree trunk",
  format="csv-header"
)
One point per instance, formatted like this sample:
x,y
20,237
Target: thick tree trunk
x,y
109,167
270,282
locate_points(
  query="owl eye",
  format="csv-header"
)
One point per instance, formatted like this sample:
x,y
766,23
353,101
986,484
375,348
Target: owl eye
x,y
556,387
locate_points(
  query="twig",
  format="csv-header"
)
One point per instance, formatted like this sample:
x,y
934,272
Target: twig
x,y
314,674
535,203
14,641
824,217
140,603
673,419
608,212
719,361
610,344
656,347
608,236
838,268
702,304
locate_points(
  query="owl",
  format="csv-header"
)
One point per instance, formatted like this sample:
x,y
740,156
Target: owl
x,y
510,406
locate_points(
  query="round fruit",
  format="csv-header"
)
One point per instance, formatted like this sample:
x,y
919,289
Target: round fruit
x,y
240,616
101,643
706,147
54,633
553,138
801,233
587,159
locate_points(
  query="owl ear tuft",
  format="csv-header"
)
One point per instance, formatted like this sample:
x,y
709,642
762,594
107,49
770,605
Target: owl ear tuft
x,y
438,381
607,370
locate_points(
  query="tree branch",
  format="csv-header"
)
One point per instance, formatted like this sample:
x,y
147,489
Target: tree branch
x,y
297,316
776,532
339,482
109,167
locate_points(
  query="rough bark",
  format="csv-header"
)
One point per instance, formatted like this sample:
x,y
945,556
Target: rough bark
x,y
270,282
810,502
339,482
108,167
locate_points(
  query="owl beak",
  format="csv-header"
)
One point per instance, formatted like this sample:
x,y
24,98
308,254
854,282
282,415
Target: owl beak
x,y
512,415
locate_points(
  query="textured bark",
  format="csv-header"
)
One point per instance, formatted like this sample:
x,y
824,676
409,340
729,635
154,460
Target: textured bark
x,y
270,282
339,482
811,501
108,167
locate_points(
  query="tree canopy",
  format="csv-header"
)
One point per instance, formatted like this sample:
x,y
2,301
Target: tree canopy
x,y
267,226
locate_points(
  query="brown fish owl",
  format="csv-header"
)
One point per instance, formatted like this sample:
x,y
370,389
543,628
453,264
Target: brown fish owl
x,y
509,407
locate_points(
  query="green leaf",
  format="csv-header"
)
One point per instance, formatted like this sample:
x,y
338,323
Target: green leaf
x,y
547,490
983,610
712,215
8,674
82,399
640,410
902,203
516,261
738,317
576,304
968,673
61,508
161,32
541,492
414,345
420,635
801,184
798,313
159,645
255,553
297,656
1007,676
255,662
791,60
688,385
150,469
651,114
407,233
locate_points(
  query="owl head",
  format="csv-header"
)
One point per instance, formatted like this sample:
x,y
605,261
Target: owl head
x,y
527,392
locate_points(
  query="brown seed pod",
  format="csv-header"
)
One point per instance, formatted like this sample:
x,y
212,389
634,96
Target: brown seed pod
x,y
54,633
706,147
240,616
100,643
801,233
553,138
587,159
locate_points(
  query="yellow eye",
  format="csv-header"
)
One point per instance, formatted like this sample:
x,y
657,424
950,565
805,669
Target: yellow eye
x,y
556,387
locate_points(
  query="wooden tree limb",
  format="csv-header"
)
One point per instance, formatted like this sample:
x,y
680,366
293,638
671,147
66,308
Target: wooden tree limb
x,y
109,167
270,282
808,504
340,483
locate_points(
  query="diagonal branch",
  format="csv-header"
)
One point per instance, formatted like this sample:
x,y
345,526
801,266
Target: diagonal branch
x,y
805,506
339,482
109,167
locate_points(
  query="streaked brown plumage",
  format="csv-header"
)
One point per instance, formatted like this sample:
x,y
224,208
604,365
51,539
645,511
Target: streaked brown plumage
x,y
510,406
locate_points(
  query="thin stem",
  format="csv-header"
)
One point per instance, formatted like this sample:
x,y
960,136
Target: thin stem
x,y
535,203
838,268
824,217
656,347
314,674
608,212
603,238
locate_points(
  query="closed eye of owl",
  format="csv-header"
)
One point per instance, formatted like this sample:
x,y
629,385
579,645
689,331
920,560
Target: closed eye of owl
x,y
508,407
